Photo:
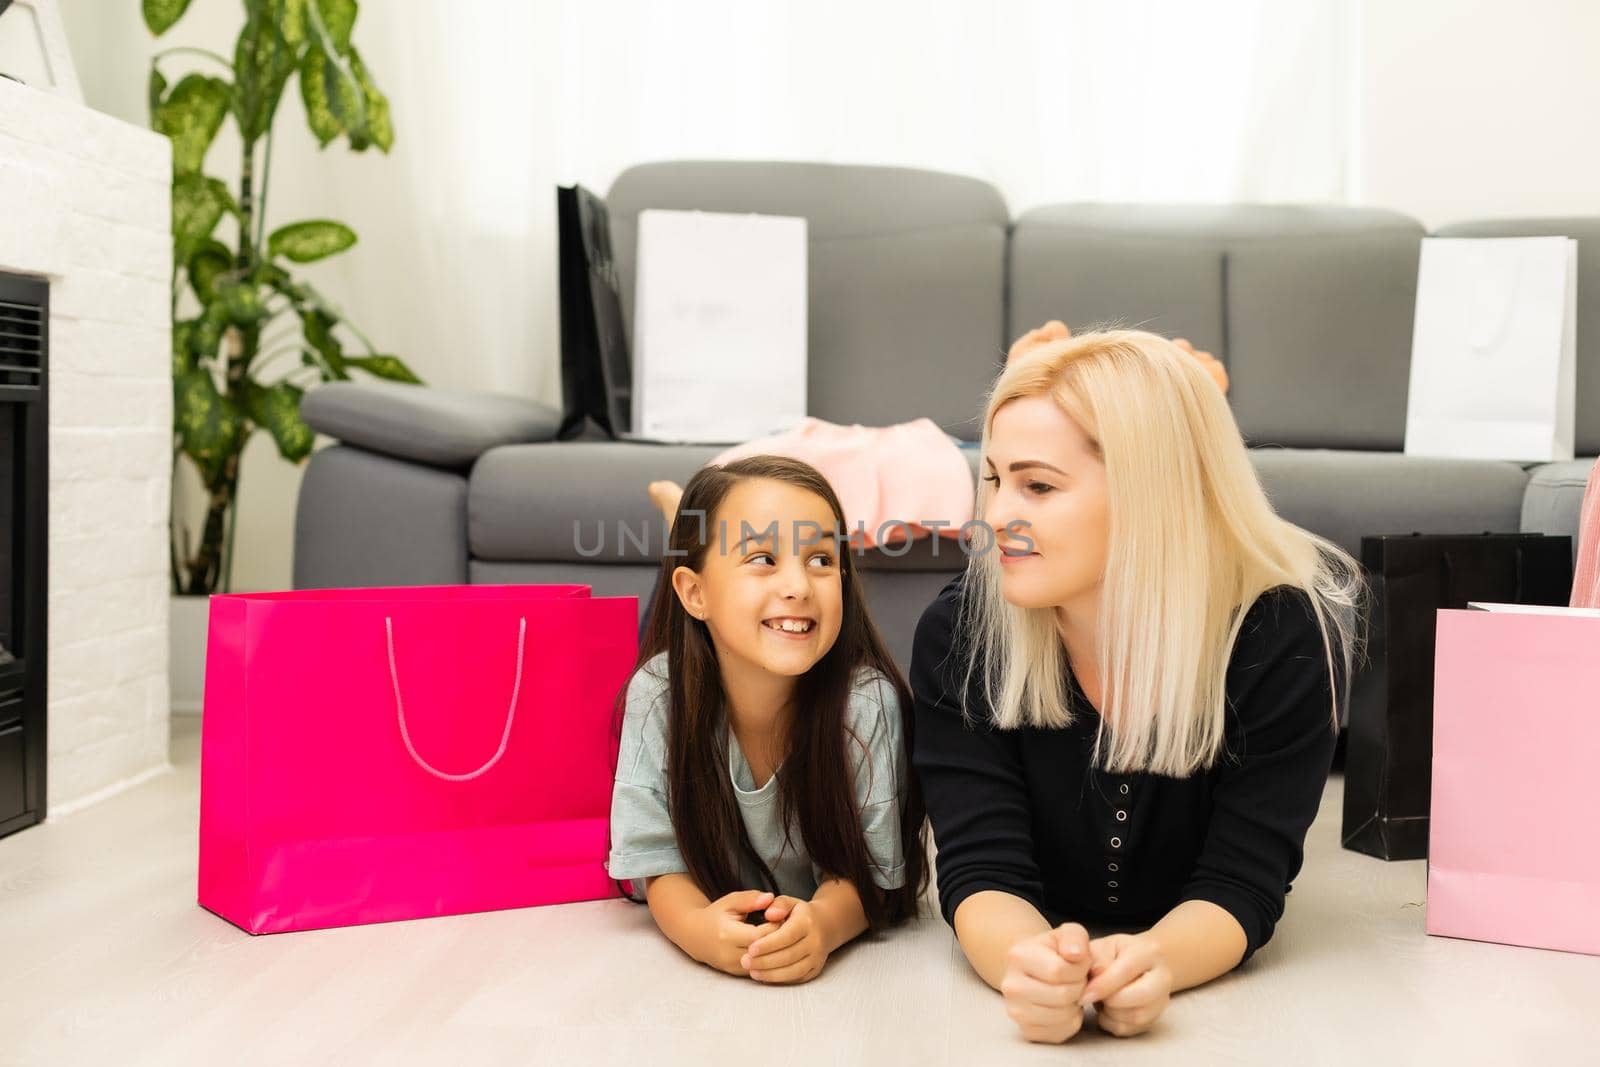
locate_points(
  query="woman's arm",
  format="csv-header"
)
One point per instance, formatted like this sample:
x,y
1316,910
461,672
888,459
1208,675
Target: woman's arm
x,y
1271,782
1199,941
973,784
988,924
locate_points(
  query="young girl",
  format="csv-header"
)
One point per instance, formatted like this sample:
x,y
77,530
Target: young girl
x,y
763,801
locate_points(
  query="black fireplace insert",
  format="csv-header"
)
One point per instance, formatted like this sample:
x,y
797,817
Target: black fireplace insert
x,y
24,343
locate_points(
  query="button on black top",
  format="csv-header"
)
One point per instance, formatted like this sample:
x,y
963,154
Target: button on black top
x,y
1022,811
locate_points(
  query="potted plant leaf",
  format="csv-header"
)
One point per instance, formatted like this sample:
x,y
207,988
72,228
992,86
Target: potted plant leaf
x,y
248,337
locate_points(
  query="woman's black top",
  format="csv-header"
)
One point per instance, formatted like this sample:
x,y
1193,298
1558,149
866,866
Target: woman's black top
x,y
1022,811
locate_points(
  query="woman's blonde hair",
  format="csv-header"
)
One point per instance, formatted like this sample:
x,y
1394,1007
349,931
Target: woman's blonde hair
x,y
1193,543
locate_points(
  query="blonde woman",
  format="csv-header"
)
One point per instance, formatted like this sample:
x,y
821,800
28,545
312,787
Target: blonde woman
x,y
1126,709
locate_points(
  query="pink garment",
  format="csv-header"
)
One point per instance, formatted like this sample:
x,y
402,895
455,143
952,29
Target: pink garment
x,y
910,473
1586,579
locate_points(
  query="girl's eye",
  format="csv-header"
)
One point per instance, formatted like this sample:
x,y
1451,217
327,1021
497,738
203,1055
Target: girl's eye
x,y
824,558
762,555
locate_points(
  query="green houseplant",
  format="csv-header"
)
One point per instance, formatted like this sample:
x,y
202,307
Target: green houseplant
x,y
247,337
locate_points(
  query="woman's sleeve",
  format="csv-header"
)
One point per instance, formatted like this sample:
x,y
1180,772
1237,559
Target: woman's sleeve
x,y
1271,779
971,776
643,844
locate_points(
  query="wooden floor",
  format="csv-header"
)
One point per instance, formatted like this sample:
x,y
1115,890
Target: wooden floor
x,y
105,958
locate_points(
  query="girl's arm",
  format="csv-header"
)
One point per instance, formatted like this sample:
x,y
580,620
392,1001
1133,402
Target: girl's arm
x,y
710,932
676,904
839,913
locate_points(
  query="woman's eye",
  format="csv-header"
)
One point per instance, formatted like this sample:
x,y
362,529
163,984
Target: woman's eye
x,y
1039,488
995,478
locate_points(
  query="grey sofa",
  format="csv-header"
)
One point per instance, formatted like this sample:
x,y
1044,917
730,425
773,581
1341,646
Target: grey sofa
x,y
918,281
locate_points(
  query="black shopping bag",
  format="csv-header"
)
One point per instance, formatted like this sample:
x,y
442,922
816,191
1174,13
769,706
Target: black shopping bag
x,y
596,374
1388,771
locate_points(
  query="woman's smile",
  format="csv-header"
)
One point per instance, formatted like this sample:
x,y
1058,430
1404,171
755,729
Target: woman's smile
x,y
1010,557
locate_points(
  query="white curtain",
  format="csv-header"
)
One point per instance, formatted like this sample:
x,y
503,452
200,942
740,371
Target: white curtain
x,y
496,102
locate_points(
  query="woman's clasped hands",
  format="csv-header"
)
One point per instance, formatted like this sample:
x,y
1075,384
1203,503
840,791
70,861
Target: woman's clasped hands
x,y
1052,977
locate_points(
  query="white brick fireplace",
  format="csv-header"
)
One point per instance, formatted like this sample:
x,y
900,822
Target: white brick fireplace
x,y
85,203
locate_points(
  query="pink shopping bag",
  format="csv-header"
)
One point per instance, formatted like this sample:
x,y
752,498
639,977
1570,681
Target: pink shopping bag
x,y
1514,848
378,754
1586,571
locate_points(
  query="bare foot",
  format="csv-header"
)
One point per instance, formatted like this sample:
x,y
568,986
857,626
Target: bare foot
x,y
1054,330
665,496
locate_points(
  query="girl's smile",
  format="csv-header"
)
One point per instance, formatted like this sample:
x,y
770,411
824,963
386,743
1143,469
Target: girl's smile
x,y
792,627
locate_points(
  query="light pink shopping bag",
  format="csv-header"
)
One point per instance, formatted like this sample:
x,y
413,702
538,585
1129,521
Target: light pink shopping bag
x,y
378,754
1514,848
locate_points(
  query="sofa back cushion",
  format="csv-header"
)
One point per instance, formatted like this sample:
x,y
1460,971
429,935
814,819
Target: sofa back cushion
x,y
906,277
1587,231
1310,307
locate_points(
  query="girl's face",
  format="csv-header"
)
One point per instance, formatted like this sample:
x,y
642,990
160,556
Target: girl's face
x,y
1049,486
769,598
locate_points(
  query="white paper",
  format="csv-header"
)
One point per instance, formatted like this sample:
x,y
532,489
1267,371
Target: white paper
x,y
1493,352
719,335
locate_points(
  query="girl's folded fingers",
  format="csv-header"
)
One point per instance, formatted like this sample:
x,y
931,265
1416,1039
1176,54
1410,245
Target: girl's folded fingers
x,y
795,972
779,959
779,938
747,935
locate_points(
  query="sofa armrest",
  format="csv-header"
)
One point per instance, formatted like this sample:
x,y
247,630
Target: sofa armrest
x,y
439,427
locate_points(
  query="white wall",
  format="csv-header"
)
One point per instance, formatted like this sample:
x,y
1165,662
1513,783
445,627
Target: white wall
x,y
1480,108
1463,108
409,305
87,204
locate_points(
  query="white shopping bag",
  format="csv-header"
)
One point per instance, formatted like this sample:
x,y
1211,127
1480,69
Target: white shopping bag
x,y
1493,352
719,335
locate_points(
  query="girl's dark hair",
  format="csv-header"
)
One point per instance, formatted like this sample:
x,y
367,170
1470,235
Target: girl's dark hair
x,y
815,792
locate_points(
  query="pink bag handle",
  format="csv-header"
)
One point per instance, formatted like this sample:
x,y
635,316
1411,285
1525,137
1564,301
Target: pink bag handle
x,y
400,710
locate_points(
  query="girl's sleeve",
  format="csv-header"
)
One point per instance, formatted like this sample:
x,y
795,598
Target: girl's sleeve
x,y
643,844
878,763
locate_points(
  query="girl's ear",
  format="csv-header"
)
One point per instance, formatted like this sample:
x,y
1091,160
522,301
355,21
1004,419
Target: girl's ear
x,y
691,594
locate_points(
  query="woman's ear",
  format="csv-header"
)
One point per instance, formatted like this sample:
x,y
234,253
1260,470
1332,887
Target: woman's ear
x,y
691,594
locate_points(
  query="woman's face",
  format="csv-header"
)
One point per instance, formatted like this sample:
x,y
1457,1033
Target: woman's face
x,y
769,599
1048,488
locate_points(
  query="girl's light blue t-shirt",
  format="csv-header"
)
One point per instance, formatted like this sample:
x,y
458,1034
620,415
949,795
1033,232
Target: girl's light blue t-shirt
x,y
644,846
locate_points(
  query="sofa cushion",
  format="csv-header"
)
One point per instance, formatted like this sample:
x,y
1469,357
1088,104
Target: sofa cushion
x,y
439,427
906,277
1554,501
1310,308
557,500
1344,496
1587,232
